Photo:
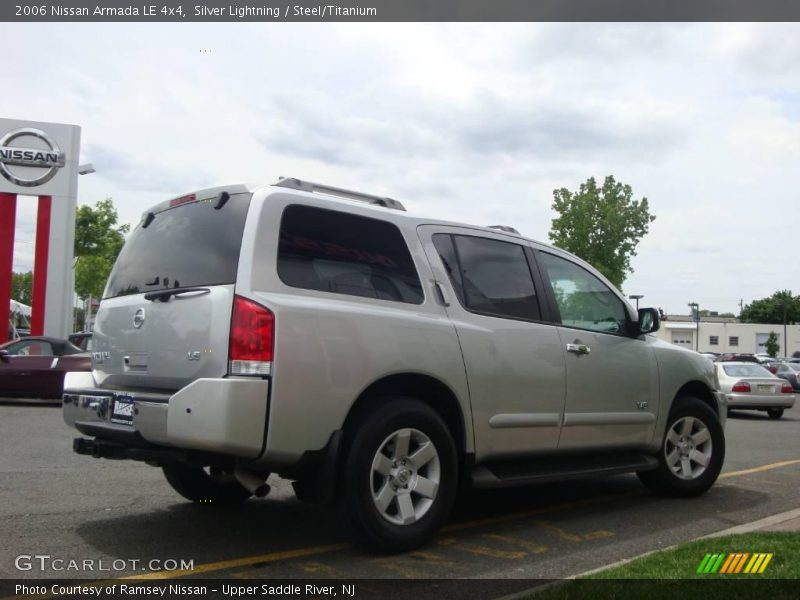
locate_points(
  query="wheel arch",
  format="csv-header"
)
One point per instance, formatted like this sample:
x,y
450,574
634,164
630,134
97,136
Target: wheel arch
x,y
420,386
699,390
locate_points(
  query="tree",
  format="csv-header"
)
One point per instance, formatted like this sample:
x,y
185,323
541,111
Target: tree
x,y
771,345
603,225
22,287
773,309
98,242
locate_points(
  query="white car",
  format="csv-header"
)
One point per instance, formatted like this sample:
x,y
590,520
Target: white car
x,y
752,387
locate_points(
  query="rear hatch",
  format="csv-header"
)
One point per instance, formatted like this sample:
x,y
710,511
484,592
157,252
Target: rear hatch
x,y
165,316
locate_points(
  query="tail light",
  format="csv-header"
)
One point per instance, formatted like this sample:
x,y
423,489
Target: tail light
x,y
252,337
786,388
741,386
772,369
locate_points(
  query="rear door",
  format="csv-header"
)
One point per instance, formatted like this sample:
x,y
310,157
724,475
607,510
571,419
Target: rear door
x,y
165,316
513,361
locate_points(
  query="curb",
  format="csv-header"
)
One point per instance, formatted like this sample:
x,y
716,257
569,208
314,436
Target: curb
x,y
756,525
743,528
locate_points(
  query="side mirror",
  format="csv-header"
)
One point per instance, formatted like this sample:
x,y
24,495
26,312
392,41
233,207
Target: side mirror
x,y
4,355
649,320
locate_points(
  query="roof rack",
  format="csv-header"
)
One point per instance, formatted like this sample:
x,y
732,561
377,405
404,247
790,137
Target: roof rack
x,y
506,228
310,186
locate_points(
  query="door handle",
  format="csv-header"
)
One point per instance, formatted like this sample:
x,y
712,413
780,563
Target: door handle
x,y
440,293
578,348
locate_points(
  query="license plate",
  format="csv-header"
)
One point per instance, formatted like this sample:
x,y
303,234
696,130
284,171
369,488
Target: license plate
x,y
122,412
764,387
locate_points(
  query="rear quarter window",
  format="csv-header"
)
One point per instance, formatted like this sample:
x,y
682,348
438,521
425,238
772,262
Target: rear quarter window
x,y
332,251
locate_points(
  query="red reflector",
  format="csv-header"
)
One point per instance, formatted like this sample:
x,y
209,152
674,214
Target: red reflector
x,y
787,389
741,386
252,331
182,200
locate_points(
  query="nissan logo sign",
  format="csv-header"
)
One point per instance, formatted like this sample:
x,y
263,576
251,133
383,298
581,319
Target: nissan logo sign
x,y
14,152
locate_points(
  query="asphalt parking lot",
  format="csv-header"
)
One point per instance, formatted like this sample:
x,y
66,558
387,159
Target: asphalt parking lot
x,y
53,502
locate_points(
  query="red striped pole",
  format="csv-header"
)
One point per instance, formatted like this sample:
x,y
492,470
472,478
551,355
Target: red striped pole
x,y
8,221
40,264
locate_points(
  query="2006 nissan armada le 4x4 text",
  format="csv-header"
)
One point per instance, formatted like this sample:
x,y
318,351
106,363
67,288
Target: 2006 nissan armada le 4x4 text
x,y
378,359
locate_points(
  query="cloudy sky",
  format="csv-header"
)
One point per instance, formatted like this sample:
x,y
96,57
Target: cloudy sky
x,y
471,122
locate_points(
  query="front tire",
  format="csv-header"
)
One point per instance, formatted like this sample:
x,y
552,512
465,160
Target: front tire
x,y
692,451
400,476
205,487
775,413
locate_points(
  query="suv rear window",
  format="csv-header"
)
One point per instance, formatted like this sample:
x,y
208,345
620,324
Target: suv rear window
x,y
192,244
342,253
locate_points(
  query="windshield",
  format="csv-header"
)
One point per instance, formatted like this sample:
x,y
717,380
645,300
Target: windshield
x,y
192,244
746,370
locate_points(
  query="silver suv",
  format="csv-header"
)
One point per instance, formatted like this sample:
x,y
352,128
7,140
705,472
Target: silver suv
x,y
379,360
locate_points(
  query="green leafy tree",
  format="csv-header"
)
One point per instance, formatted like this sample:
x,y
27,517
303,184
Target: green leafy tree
x,y
781,307
602,225
22,287
771,345
98,242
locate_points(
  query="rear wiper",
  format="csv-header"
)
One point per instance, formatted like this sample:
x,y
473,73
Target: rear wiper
x,y
165,295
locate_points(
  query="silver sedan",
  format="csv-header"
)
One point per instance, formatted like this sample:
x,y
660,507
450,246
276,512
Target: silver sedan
x,y
752,387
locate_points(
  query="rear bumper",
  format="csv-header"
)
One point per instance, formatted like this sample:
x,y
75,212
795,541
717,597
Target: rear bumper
x,y
757,401
225,416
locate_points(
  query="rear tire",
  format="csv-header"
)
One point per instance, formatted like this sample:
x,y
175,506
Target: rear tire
x,y
205,487
399,476
775,413
691,453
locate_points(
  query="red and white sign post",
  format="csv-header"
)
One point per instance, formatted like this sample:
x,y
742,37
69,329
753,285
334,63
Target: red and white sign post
x,y
40,159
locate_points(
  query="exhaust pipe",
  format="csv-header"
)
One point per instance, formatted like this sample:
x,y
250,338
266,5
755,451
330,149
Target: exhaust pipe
x,y
255,484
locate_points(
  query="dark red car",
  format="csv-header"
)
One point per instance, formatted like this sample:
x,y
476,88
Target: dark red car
x,y
34,367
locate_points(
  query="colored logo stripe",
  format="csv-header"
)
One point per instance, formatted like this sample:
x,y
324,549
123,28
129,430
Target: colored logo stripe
x,y
736,562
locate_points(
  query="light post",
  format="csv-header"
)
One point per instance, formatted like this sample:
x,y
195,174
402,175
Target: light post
x,y
85,169
696,315
636,297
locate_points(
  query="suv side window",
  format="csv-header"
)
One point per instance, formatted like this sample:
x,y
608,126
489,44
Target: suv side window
x,y
490,276
583,300
338,252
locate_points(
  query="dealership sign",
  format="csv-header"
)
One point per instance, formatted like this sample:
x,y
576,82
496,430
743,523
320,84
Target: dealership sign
x,y
40,160
14,152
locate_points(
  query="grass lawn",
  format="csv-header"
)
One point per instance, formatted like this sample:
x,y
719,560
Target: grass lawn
x,y
645,577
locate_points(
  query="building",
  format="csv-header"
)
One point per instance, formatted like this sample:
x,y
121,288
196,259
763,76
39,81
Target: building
x,y
720,334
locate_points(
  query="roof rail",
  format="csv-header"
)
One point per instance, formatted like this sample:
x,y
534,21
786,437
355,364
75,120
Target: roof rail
x,y
310,186
506,228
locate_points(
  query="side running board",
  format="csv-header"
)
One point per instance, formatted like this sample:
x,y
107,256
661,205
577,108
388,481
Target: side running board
x,y
544,469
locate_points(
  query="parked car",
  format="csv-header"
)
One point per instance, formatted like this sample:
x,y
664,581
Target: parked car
x,y
752,387
737,357
791,373
379,360
771,366
82,339
34,367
